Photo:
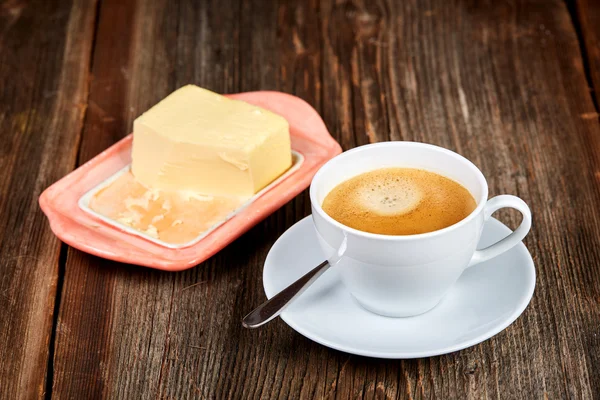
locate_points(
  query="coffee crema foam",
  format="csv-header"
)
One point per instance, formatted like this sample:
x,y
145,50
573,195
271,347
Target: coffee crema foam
x,y
399,201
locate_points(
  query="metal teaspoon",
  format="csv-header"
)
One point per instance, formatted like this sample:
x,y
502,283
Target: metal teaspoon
x,y
276,304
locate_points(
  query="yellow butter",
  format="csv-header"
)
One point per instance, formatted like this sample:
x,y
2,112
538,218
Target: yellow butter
x,y
196,140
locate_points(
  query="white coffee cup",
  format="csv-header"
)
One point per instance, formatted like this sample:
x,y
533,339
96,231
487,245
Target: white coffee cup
x,y
406,275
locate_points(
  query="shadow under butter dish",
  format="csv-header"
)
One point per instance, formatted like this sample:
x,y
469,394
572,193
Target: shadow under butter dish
x,y
399,201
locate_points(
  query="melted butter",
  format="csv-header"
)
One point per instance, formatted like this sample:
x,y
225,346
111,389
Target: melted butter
x,y
173,217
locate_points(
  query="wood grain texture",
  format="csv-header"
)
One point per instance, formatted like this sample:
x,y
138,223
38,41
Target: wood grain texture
x,y
588,19
45,47
502,83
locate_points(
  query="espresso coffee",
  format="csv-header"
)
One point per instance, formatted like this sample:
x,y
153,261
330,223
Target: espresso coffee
x,y
399,201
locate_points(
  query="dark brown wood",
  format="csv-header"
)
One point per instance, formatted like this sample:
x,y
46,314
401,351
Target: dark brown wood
x,y
503,83
588,20
45,47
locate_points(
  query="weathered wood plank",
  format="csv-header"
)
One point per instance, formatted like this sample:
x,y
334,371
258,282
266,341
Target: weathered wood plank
x,y
45,47
588,18
502,83
80,368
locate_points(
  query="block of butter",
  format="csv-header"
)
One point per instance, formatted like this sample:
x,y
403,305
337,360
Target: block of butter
x,y
196,140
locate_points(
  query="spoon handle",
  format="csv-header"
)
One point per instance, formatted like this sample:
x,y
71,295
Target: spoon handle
x,y
276,304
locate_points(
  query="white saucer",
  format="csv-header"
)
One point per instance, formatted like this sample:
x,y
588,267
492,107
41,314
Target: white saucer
x,y
486,299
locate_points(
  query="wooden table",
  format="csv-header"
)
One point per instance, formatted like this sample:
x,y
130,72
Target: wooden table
x,y
512,86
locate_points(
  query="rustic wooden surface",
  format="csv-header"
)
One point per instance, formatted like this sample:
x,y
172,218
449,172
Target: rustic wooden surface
x,y
507,84
45,48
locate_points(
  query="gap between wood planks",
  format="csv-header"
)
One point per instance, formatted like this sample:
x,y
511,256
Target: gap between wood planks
x,y
572,9
64,248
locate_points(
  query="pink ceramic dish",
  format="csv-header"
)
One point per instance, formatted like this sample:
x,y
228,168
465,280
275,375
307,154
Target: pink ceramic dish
x,y
90,234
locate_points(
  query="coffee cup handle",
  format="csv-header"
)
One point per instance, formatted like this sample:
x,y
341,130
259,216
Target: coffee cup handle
x,y
511,240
